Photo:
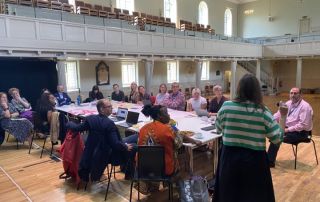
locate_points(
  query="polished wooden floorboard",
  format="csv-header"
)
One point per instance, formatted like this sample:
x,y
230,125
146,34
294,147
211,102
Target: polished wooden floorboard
x,y
38,178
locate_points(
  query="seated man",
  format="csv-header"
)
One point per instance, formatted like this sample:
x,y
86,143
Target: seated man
x,y
62,97
298,123
117,94
103,145
176,99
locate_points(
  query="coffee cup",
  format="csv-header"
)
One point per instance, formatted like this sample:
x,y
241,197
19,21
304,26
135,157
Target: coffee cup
x,y
198,135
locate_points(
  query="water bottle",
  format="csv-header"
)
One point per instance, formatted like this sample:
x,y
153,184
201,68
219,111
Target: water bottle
x,y
79,99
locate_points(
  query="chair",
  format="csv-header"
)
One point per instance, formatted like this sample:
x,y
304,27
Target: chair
x,y
295,148
42,3
81,8
66,6
55,5
38,128
101,12
12,135
110,13
11,1
92,11
149,169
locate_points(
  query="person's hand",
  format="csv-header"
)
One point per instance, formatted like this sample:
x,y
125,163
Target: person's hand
x,y
4,105
129,147
283,108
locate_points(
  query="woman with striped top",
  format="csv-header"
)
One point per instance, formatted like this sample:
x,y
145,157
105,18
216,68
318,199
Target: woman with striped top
x,y
243,170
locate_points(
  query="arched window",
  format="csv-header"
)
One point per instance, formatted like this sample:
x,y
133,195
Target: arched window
x,y
228,22
203,13
170,9
126,4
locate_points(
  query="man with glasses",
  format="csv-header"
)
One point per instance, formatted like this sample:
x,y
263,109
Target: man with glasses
x,y
176,99
298,123
103,145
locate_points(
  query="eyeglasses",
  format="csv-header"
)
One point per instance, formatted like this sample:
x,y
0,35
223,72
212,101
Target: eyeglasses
x,y
107,106
294,93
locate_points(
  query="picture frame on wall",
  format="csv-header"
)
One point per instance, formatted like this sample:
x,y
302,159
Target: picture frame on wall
x,y
102,74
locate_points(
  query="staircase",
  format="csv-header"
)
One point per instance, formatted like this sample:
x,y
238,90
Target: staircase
x,y
267,82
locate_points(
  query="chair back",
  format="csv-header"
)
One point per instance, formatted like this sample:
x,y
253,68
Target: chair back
x,y
151,162
37,121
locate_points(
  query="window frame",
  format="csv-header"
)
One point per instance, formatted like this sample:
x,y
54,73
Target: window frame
x,y
76,75
171,9
177,72
123,4
202,19
136,79
207,74
228,22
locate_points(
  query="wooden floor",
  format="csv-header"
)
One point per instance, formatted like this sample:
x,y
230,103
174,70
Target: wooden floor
x,y
25,177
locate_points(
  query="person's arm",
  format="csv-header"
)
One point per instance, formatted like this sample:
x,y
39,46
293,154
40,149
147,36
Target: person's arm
x,y
25,103
49,115
5,112
189,106
274,131
78,127
204,103
68,100
122,96
114,138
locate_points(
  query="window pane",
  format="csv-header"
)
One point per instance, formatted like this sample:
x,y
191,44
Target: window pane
x,y
126,4
205,71
172,72
170,9
203,13
72,76
129,73
228,22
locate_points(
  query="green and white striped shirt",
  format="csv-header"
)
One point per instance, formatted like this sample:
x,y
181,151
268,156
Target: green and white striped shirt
x,y
247,125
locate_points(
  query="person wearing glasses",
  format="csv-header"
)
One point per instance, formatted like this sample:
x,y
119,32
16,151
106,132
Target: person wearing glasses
x,y
298,123
104,144
176,99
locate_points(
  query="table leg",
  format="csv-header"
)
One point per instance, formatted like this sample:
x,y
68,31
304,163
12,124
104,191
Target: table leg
x,y
190,155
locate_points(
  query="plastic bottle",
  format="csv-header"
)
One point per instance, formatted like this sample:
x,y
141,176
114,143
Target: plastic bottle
x,y
79,99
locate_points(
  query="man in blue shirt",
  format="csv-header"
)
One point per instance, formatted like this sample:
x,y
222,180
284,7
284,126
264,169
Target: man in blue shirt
x,y
62,97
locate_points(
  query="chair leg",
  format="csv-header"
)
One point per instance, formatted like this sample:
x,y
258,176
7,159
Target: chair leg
x,y
44,143
315,151
17,143
114,172
138,190
131,191
51,150
109,179
30,146
85,186
296,157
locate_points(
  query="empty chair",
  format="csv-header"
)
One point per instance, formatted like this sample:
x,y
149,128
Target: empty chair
x,y
55,5
66,6
129,17
42,3
26,2
101,12
81,9
149,19
110,13
92,11
11,1
119,14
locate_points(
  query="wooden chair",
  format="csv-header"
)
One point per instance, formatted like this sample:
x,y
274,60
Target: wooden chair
x,y
81,9
26,2
55,5
66,6
11,1
149,19
110,13
92,11
119,14
155,20
42,3
101,12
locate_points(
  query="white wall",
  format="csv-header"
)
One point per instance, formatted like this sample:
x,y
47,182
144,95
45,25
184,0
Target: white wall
x,y
286,14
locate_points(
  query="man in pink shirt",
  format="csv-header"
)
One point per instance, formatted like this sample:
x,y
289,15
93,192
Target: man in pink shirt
x,y
298,123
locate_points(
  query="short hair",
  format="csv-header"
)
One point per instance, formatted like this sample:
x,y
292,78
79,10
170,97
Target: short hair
x,y
196,90
13,89
95,87
163,84
115,85
217,87
100,104
297,88
141,87
2,94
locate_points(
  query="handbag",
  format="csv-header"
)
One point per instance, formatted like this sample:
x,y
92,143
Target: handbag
x,y
194,190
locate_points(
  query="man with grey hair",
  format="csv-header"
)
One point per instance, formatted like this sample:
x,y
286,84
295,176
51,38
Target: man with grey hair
x,y
62,97
217,101
176,99
103,145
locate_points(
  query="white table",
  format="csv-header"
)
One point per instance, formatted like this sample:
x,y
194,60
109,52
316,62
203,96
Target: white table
x,y
186,121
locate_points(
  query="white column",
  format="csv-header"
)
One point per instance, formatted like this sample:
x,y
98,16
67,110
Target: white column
x,y
198,73
61,68
233,79
299,72
258,70
148,74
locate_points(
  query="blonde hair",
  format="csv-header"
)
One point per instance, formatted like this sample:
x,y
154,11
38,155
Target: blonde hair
x,y
13,89
217,87
196,90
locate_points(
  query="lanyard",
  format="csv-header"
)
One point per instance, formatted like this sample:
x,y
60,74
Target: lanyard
x,y
293,108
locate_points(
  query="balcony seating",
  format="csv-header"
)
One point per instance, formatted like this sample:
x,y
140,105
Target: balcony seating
x,y
110,13
81,8
26,2
55,5
92,10
66,6
42,3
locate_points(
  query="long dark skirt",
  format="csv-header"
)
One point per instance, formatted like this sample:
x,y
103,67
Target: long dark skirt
x,y
243,175
19,128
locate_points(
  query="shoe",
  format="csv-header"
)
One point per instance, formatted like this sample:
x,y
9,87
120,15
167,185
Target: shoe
x,y
272,164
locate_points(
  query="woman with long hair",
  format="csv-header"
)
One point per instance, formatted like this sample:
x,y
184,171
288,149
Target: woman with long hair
x,y
243,170
45,108
95,94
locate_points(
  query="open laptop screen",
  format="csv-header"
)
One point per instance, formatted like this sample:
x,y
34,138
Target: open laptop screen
x,y
132,117
122,112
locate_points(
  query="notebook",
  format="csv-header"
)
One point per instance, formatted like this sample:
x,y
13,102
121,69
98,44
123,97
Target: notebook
x,y
121,114
132,118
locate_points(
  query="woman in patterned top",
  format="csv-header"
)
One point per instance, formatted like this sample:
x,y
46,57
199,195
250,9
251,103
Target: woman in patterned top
x,y
21,104
19,128
245,123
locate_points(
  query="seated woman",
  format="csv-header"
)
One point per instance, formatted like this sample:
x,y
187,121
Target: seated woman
x,y
19,128
20,104
45,108
159,132
142,97
162,95
217,101
133,93
197,102
95,94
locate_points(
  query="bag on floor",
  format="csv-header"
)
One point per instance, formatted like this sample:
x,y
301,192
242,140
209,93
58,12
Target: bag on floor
x,y
194,190
71,152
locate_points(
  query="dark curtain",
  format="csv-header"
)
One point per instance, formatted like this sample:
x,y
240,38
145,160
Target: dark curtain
x,y
29,76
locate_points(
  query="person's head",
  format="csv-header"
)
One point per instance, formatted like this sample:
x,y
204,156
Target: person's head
x,y
196,92
249,90
44,90
157,112
141,90
175,87
217,91
47,99
115,88
95,89
133,86
3,97
60,88
104,107
14,93
295,95
163,88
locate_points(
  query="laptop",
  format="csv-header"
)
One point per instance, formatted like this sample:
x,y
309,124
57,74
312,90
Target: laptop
x,y
202,112
121,114
132,118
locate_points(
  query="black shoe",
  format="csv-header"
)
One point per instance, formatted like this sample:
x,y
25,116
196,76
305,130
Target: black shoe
x,y
272,164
